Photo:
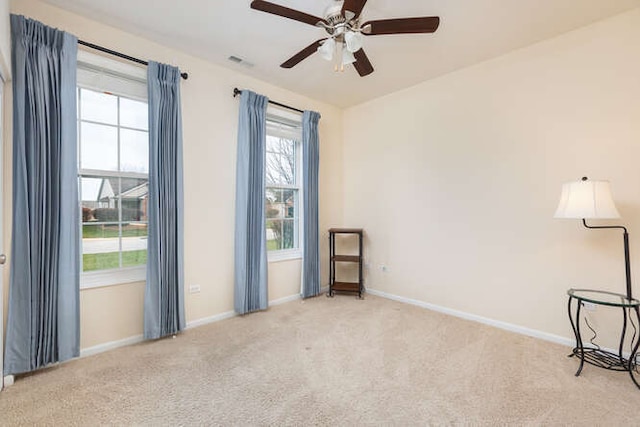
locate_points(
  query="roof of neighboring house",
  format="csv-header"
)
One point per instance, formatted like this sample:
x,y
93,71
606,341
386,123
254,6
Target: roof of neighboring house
x,y
138,192
130,188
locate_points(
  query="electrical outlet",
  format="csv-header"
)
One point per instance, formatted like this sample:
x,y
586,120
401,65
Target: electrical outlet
x,y
589,306
384,268
194,289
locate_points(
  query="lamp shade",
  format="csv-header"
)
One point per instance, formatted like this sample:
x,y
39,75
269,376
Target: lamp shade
x,y
326,49
353,41
347,57
586,199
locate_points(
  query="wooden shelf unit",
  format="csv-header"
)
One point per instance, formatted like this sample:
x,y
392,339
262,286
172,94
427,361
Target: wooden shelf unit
x,y
341,286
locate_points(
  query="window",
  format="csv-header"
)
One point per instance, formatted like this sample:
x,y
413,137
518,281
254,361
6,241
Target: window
x,y
283,177
113,168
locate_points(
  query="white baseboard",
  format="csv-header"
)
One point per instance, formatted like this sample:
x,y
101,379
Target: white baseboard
x,y
210,319
7,381
480,319
100,348
285,299
90,351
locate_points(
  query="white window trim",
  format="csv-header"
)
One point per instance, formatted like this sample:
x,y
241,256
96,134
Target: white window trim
x,y
284,255
116,69
296,253
116,276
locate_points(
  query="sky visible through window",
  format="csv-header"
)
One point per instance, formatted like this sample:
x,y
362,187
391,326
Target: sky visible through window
x,y
99,133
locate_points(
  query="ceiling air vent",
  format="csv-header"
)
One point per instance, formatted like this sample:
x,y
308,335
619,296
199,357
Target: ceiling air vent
x,y
240,61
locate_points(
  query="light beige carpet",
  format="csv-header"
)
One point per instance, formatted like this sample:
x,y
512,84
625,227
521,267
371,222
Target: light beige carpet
x,y
324,361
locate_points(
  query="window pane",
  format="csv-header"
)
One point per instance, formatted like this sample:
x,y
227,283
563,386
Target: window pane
x,y
275,145
135,257
134,197
134,151
100,261
134,243
98,147
99,199
114,215
134,114
273,203
274,235
90,189
288,235
100,226
289,207
280,161
99,107
100,245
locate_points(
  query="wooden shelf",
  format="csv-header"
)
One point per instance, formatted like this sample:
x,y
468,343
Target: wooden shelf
x,y
345,230
346,258
346,286
337,286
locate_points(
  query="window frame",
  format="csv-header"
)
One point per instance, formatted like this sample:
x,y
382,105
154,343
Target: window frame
x,y
278,116
97,67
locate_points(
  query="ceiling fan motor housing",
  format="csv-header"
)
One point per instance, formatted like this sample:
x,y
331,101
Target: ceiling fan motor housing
x,y
336,20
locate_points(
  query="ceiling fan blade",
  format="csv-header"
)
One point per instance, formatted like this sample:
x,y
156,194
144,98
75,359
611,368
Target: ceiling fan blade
x,y
362,65
265,6
425,24
354,6
303,54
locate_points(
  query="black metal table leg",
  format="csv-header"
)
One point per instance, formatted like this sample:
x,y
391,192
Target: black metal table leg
x,y
634,352
624,332
579,339
573,325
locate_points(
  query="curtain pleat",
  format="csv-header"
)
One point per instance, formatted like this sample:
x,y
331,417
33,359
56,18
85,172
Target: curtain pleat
x,y
310,169
43,324
164,292
250,291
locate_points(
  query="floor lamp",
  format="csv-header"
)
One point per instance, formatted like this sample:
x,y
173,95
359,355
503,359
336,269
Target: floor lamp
x,y
587,199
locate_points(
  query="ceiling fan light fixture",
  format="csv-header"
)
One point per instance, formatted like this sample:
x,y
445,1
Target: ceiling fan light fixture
x,y
353,40
326,49
347,57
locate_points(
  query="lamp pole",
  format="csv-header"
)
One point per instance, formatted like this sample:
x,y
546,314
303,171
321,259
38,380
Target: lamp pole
x,y
627,264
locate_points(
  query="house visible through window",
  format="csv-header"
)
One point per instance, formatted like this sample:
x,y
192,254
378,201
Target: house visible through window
x,y
282,169
113,168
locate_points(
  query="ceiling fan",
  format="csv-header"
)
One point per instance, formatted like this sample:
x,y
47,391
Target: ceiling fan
x,y
342,23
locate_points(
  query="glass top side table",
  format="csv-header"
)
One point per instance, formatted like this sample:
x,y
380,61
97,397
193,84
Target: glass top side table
x,y
593,354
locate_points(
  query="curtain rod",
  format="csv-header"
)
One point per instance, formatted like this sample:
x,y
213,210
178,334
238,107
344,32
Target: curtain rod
x,y
237,92
121,55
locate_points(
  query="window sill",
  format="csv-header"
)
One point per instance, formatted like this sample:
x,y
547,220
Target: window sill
x,y
286,255
120,276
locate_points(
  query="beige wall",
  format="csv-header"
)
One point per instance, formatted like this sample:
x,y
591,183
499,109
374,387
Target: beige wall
x,y
210,124
456,180
5,40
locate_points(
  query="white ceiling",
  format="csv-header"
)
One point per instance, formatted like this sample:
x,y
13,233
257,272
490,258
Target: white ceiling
x,y
470,31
